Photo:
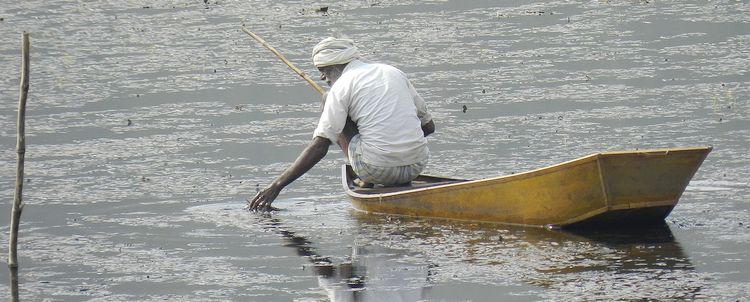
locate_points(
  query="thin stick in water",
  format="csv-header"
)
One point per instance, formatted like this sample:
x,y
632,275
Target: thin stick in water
x,y
15,215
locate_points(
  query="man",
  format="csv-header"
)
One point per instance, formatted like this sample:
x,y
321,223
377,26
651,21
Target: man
x,y
372,112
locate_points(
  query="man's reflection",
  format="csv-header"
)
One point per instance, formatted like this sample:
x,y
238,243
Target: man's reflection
x,y
369,273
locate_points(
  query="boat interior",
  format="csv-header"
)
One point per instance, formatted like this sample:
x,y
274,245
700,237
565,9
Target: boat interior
x,y
422,181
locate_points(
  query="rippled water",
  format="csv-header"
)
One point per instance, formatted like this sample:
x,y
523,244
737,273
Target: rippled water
x,y
149,123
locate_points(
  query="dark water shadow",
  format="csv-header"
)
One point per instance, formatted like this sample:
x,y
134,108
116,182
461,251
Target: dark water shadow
x,y
322,265
652,233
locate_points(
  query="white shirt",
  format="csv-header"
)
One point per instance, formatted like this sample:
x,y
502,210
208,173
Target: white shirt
x,y
387,109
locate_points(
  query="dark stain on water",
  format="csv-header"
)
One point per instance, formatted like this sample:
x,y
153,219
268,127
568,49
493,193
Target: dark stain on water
x,y
147,128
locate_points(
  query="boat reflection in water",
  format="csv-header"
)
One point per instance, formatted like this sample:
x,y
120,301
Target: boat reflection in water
x,y
651,246
644,263
577,263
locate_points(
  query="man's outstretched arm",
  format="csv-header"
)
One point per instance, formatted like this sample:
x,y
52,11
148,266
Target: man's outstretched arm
x,y
312,154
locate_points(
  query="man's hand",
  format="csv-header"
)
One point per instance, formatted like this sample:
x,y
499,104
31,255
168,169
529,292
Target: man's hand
x,y
262,201
312,154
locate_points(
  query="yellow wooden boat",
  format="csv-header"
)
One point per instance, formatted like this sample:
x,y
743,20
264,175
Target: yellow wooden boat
x,y
627,188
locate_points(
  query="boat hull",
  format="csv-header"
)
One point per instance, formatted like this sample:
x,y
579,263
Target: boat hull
x,y
637,186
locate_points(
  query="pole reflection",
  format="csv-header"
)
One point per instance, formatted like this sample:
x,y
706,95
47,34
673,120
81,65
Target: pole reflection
x,y
14,284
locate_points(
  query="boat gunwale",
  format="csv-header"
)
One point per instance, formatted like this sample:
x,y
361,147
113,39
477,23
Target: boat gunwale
x,y
520,176
470,183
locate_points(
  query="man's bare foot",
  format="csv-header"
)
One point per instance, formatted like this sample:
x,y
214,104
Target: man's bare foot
x,y
362,184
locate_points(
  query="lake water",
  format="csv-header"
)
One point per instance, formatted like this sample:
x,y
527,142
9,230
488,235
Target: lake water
x,y
150,122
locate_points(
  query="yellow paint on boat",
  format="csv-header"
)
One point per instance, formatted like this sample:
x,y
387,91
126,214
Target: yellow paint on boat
x,y
640,185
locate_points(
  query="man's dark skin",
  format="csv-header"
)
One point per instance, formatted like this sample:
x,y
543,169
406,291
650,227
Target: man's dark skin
x,y
314,152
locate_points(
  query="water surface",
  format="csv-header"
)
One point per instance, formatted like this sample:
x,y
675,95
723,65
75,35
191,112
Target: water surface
x,y
149,123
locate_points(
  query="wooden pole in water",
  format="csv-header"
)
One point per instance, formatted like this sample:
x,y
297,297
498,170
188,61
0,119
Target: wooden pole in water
x,y
280,56
15,215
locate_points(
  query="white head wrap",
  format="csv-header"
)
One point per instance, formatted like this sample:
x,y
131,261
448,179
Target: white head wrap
x,y
334,51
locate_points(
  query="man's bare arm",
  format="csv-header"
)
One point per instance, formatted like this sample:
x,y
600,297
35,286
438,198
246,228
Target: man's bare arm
x,y
309,157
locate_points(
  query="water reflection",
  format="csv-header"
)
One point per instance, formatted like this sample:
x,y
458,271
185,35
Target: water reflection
x,y
368,273
653,247
602,262
14,284
649,258
376,273
408,259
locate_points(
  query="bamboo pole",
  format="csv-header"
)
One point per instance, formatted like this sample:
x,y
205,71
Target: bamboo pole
x,y
280,56
15,215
